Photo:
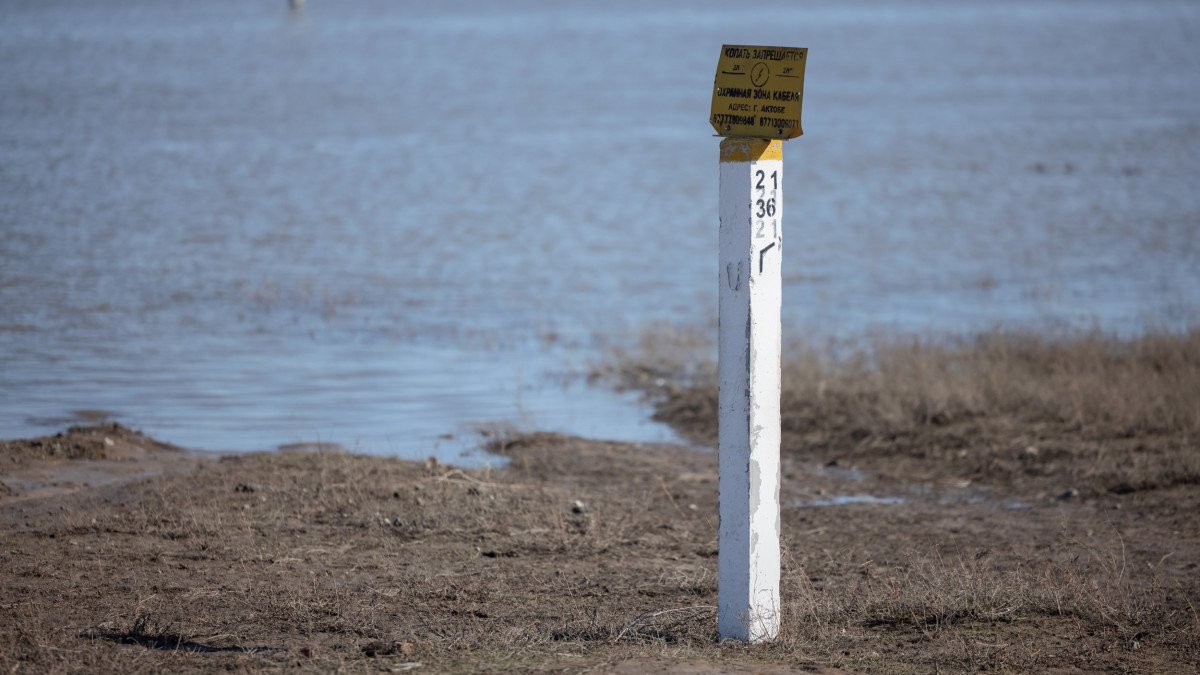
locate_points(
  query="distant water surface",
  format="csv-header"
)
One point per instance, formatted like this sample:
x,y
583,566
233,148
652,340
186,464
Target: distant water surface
x,y
384,224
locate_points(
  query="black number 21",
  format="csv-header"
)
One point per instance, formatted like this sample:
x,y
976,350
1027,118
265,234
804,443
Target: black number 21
x,y
762,176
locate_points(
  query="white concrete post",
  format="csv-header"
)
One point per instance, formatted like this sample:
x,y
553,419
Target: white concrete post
x,y
751,206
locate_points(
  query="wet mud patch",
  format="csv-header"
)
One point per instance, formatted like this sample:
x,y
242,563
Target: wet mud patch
x,y
84,457
110,441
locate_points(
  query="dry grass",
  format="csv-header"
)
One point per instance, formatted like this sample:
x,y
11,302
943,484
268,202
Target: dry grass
x,y
934,595
327,561
1088,411
1092,383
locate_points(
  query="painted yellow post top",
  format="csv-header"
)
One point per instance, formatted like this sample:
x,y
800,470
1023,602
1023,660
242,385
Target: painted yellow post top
x,y
758,91
750,149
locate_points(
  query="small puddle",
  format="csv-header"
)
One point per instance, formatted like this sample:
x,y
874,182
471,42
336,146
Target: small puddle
x,y
847,473
846,500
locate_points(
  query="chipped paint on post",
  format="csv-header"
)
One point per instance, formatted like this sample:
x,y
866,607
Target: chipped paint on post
x,y
751,207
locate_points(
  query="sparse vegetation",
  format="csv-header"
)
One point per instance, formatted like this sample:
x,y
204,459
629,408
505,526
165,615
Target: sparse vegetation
x,y
1004,545
1088,411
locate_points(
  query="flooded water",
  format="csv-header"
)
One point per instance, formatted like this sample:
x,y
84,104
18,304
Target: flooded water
x,y
383,224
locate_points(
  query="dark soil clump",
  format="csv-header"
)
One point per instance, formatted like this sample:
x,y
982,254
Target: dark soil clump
x,y
108,441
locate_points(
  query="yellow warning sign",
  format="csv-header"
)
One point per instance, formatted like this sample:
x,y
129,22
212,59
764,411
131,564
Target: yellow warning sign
x,y
758,91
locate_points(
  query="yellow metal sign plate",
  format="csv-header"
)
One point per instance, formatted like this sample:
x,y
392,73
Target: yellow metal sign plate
x,y
758,91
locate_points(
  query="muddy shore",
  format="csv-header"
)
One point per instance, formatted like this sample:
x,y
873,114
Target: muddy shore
x,y
965,541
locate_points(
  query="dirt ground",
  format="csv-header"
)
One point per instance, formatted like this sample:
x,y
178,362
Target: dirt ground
x,y
962,541
583,555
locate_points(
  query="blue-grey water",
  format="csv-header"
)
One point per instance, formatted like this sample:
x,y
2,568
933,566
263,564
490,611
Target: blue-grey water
x,y
385,223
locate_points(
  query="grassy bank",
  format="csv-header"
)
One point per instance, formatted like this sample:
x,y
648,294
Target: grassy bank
x,y
1089,412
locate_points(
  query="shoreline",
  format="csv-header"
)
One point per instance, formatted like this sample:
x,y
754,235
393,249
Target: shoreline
x,y
1009,504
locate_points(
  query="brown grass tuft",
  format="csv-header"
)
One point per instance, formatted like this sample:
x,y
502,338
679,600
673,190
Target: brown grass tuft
x,y
1088,411
1093,383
